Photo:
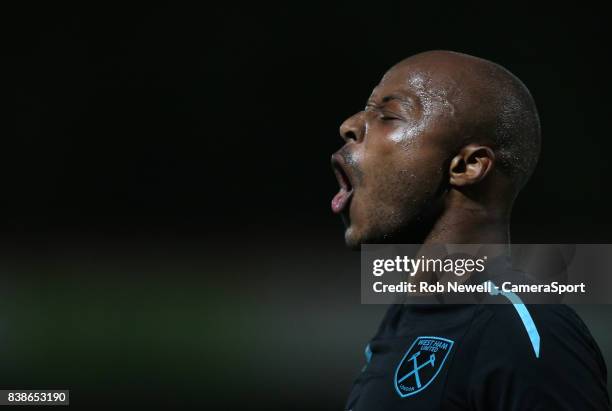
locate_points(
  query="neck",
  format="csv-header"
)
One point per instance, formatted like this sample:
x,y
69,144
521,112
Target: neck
x,y
466,222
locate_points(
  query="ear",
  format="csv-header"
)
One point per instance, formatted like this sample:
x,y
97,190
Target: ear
x,y
471,165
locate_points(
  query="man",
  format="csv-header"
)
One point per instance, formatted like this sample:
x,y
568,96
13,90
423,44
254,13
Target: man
x,y
439,154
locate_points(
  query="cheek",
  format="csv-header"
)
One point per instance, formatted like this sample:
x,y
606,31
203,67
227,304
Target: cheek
x,y
385,140
404,135
403,178
401,169
392,156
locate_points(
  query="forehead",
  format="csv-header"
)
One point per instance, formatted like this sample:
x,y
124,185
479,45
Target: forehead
x,y
429,84
404,80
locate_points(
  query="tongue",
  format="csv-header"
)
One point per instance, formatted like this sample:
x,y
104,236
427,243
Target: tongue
x,y
340,200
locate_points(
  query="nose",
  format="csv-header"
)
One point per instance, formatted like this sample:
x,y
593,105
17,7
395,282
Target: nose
x,y
352,129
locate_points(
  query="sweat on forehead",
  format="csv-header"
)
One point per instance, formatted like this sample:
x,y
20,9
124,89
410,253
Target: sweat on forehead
x,y
433,93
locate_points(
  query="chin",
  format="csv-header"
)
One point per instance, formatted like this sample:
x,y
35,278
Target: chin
x,y
352,239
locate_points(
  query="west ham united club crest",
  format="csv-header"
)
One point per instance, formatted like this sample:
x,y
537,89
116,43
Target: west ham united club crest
x,y
421,364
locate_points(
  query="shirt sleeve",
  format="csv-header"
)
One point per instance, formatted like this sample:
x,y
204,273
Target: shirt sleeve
x,y
565,372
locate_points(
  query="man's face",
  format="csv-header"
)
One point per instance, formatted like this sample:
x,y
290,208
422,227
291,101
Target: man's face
x,y
392,167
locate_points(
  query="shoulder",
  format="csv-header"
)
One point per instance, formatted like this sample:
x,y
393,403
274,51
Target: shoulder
x,y
536,353
544,329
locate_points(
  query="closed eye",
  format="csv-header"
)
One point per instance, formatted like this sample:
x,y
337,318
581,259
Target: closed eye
x,y
389,117
382,113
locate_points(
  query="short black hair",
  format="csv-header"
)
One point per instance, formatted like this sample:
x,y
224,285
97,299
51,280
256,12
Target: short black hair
x,y
513,118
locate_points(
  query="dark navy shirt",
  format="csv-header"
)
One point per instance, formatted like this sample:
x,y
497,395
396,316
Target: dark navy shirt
x,y
481,357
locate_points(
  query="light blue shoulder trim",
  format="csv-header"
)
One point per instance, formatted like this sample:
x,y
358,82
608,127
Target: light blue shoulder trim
x,y
368,355
521,309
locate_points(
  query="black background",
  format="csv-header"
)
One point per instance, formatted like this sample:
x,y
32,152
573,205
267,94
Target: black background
x,y
225,117
210,129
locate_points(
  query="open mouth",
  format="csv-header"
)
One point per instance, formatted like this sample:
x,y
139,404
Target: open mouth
x,y
341,200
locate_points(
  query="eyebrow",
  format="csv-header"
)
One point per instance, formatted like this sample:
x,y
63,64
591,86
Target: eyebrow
x,y
391,97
